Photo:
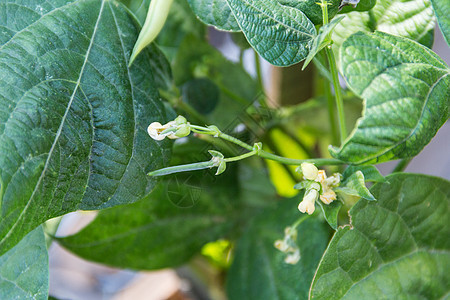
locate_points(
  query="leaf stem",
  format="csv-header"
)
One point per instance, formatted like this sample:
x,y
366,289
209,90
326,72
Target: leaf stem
x,y
243,156
401,166
335,78
264,154
331,114
258,70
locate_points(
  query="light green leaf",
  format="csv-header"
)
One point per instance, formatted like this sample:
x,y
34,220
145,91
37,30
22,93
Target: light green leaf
x,y
355,185
395,248
259,271
24,269
412,19
321,40
331,212
73,117
216,13
405,89
162,230
370,173
442,11
280,34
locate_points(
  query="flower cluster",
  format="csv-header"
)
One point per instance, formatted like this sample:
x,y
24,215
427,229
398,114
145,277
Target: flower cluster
x,y
317,185
175,129
289,246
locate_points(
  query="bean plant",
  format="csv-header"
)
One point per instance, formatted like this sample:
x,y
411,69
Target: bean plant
x,y
123,106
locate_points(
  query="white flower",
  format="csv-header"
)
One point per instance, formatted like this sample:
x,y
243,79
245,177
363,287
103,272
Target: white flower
x,y
155,130
293,258
308,203
328,196
309,171
176,129
281,245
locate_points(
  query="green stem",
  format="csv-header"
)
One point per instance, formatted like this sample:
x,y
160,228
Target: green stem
x,y
240,157
331,116
335,77
401,166
267,155
291,161
338,94
235,141
299,221
258,70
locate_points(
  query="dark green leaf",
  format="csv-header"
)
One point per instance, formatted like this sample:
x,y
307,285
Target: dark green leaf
x,y
405,88
163,230
198,59
321,40
330,212
280,34
73,117
312,9
24,269
259,271
202,94
216,13
442,11
395,248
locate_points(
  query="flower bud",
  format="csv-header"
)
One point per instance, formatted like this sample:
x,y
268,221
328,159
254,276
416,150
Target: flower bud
x,y
309,171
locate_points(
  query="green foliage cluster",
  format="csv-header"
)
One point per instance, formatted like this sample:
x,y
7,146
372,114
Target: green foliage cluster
x,y
73,136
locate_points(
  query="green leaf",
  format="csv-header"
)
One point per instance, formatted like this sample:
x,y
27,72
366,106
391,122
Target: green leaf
x,y
311,8
202,94
395,248
405,89
216,13
73,117
370,173
355,185
259,271
280,34
412,19
331,212
24,269
163,230
321,40
198,59
363,5
442,11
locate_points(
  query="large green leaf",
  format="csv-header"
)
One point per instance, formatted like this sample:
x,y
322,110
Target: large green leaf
x,y
442,11
406,91
413,19
216,13
165,229
73,117
395,248
24,269
259,271
280,34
